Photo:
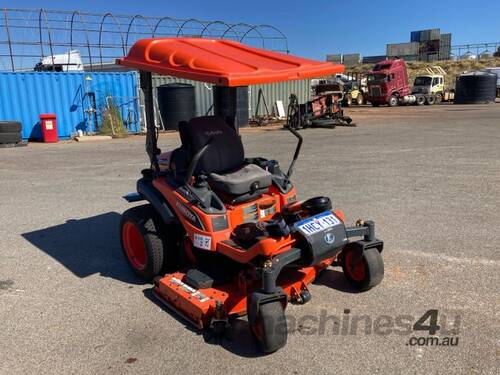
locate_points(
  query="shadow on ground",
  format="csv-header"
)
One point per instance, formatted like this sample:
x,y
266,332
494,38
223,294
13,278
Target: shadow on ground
x,y
86,247
335,279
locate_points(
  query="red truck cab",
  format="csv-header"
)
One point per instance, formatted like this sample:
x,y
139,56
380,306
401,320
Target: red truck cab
x,y
388,82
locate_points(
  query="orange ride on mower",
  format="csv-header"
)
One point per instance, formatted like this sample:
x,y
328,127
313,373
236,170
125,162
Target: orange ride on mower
x,y
221,235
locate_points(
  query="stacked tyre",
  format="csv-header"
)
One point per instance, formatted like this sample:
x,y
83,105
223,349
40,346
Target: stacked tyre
x,y
10,132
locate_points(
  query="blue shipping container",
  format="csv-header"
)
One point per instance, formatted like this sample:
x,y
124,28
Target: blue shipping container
x,y
71,96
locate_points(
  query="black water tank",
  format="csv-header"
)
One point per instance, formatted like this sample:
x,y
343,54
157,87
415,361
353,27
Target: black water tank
x,y
475,88
232,104
177,103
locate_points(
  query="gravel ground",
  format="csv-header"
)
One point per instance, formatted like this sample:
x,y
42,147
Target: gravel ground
x,y
428,176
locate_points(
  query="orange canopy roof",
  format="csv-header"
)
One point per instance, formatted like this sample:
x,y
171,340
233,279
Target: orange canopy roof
x,y
222,62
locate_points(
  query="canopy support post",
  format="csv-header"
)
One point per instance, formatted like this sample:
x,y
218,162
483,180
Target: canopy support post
x,y
152,149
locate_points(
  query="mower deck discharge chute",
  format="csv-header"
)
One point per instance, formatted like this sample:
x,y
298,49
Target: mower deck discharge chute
x,y
223,235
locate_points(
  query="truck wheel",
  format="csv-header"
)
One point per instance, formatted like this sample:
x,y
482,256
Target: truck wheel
x,y
430,100
393,101
348,100
438,98
360,99
270,329
142,241
365,273
420,100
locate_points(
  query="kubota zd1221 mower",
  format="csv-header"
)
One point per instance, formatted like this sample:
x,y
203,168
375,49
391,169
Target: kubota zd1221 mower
x,y
222,235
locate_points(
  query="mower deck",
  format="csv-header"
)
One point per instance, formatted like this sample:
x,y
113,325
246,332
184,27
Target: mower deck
x,y
199,306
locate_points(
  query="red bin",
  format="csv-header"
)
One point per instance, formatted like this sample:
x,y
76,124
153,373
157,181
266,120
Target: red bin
x,y
48,122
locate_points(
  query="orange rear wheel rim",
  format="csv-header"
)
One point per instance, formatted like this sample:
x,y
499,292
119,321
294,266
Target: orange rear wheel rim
x,y
134,246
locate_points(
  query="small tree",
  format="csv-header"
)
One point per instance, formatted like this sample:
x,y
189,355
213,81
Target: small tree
x,y
112,122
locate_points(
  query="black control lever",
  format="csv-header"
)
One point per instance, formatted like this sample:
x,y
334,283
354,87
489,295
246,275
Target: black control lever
x,y
295,155
195,160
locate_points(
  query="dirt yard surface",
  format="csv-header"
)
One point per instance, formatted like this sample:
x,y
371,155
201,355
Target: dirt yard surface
x,y
428,176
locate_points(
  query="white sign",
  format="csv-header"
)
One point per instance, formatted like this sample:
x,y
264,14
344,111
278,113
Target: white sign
x,y
202,242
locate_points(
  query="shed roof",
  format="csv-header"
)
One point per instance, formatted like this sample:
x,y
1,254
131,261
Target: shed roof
x,y
221,62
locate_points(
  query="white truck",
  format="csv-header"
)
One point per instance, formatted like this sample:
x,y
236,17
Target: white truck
x,y
433,83
64,62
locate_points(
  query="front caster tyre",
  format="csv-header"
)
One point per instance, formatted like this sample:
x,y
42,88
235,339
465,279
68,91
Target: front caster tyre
x,y
141,241
363,273
270,329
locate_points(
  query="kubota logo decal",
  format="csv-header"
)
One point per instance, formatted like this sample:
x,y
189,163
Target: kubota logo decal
x,y
186,212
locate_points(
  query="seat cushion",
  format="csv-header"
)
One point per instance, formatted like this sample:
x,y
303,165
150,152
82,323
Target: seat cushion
x,y
247,178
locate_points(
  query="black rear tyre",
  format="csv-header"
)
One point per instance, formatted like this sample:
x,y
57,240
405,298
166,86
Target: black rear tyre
x,y
10,127
143,241
365,273
270,329
10,137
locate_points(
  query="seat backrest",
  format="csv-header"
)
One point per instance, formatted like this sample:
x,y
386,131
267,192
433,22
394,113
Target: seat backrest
x,y
225,151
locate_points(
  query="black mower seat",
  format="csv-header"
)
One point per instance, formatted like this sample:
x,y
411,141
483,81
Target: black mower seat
x,y
224,162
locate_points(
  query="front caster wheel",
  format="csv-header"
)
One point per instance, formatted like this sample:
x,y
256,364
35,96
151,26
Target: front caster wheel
x,y
365,272
269,328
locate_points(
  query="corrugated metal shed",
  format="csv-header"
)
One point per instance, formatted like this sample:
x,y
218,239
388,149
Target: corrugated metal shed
x,y
271,92
279,91
25,95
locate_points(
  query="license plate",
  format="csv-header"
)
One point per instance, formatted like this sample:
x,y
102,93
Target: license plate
x,y
317,223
